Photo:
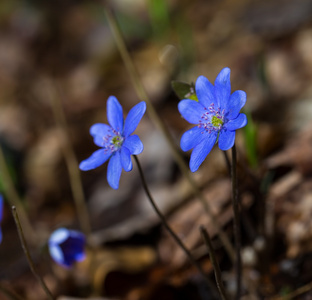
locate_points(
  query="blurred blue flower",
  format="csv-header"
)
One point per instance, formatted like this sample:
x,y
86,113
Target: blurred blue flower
x,y
1,215
67,246
216,115
116,141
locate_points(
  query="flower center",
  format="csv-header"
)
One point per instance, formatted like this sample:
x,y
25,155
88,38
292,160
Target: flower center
x,y
117,141
212,119
216,122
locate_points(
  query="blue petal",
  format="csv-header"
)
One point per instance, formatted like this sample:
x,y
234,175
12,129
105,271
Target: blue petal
x,y
223,88
205,91
191,138
67,246
98,158
191,110
114,113
134,144
1,207
125,157
114,170
237,123
226,139
237,101
134,117
201,151
99,131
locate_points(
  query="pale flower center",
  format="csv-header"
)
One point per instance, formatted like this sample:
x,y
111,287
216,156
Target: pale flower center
x,y
212,119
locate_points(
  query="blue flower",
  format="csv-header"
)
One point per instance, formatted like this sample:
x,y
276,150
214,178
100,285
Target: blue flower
x,y
1,215
116,141
67,246
216,115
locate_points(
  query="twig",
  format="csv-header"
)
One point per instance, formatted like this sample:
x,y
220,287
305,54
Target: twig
x,y
296,293
27,254
237,233
10,294
14,199
71,161
214,262
134,75
171,232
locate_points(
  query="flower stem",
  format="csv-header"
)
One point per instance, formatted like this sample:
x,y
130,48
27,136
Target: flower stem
x,y
70,160
26,251
14,199
214,262
137,83
171,232
237,232
10,294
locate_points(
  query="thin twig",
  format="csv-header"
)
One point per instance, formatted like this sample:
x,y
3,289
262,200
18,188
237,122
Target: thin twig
x,y
137,83
237,233
71,161
214,262
171,232
9,293
301,290
27,254
14,199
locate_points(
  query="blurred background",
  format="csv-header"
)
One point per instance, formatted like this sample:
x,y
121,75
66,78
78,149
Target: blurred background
x,y
61,56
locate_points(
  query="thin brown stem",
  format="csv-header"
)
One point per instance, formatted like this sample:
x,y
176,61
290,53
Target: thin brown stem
x,y
170,231
237,232
140,90
27,254
214,262
14,199
70,160
9,293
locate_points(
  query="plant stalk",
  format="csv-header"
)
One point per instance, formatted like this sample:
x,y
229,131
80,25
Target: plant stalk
x,y
170,231
27,254
214,262
237,233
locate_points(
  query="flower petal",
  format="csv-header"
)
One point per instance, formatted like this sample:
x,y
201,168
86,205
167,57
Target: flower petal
x,y
98,158
134,144
125,157
114,170
99,131
226,139
201,151
67,246
237,123
205,91
114,113
223,88
134,117
191,138
191,110
237,101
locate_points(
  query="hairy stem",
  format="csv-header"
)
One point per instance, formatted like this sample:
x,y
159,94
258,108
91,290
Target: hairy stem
x,y
237,232
214,262
27,254
171,232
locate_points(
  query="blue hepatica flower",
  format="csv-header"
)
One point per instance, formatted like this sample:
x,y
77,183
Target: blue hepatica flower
x,y
216,115
1,215
67,246
116,141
